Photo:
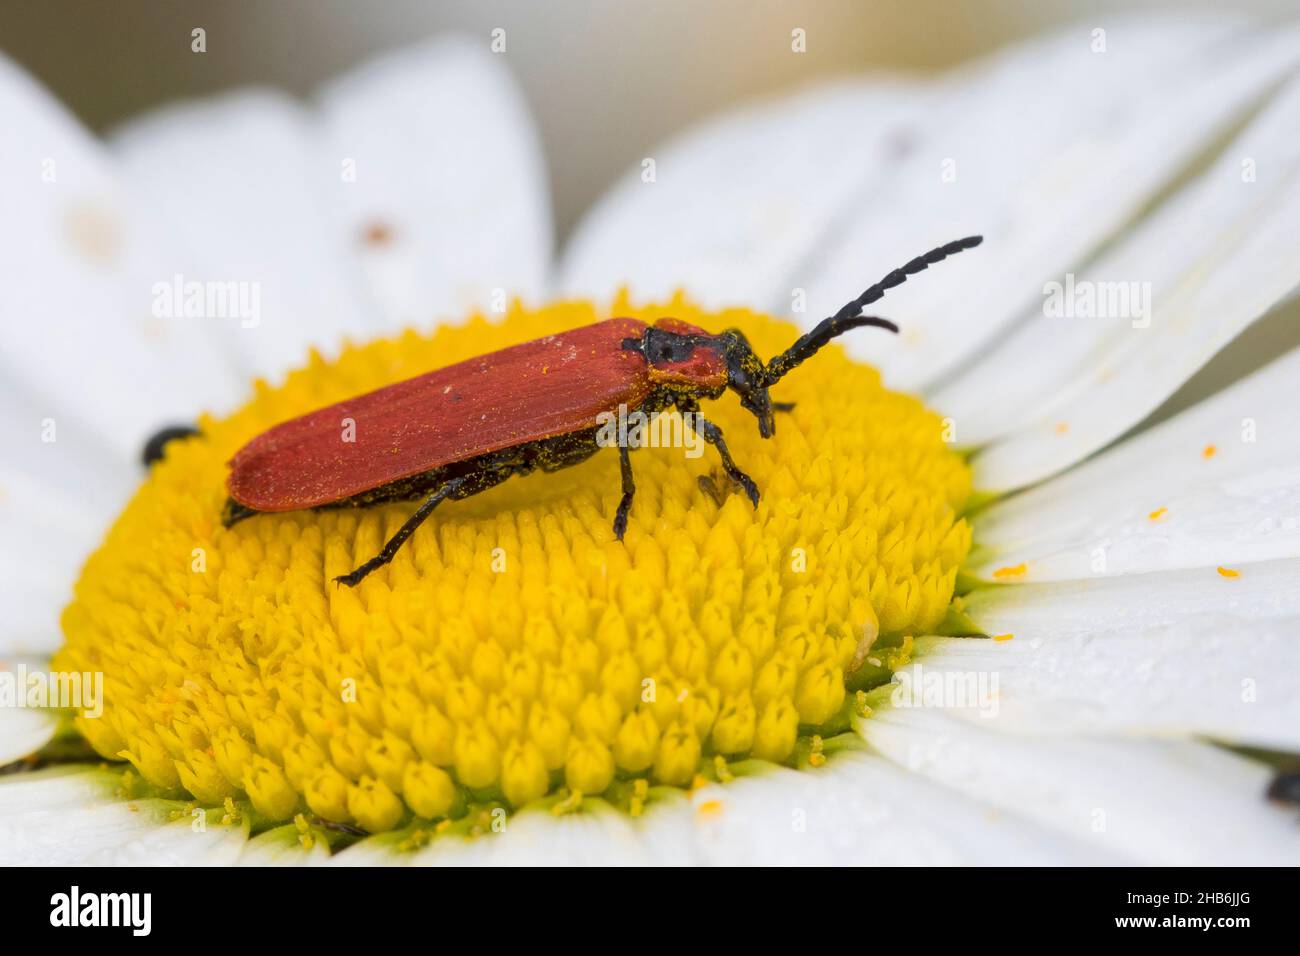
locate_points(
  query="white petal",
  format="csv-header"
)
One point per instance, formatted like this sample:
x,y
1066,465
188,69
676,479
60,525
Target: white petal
x,y
599,836
1218,256
45,535
596,836
1134,602
23,730
1150,801
857,810
432,144
79,336
247,196
1049,151
861,810
1211,675
283,846
72,817
734,208
1158,502
447,160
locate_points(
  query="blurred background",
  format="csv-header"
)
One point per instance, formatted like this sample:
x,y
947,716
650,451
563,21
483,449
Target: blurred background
x,y
606,81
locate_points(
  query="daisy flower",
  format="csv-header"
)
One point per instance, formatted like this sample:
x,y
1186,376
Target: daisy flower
x,y
985,612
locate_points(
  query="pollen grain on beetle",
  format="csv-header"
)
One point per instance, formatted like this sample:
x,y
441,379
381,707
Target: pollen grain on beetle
x,y
449,681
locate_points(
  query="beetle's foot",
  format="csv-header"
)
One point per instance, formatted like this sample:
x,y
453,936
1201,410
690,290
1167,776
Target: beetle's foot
x,y
353,578
783,406
711,486
747,483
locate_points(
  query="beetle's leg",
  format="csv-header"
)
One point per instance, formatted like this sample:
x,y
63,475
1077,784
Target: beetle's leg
x,y
712,434
405,531
783,406
629,489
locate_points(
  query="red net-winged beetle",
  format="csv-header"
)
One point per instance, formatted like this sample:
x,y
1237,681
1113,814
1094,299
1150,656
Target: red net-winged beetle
x,y
459,430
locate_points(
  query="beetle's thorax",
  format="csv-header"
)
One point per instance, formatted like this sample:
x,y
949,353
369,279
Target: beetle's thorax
x,y
682,359
687,361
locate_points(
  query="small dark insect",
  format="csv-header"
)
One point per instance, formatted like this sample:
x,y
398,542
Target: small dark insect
x,y
1285,786
460,430
153,448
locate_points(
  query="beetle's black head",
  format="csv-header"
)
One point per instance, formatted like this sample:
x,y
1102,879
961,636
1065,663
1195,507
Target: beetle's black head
x,y
747,377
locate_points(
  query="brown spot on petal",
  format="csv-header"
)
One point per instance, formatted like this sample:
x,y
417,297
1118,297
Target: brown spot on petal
x,y
377,234
153,328
93,232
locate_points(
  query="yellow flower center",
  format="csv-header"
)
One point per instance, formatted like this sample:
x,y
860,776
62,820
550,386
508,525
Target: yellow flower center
x,y
514,650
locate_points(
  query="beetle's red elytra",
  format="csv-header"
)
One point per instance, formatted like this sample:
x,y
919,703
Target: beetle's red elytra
x,y
456,431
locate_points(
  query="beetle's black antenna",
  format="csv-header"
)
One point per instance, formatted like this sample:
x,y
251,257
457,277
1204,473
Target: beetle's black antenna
x,y
851,317
807,345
